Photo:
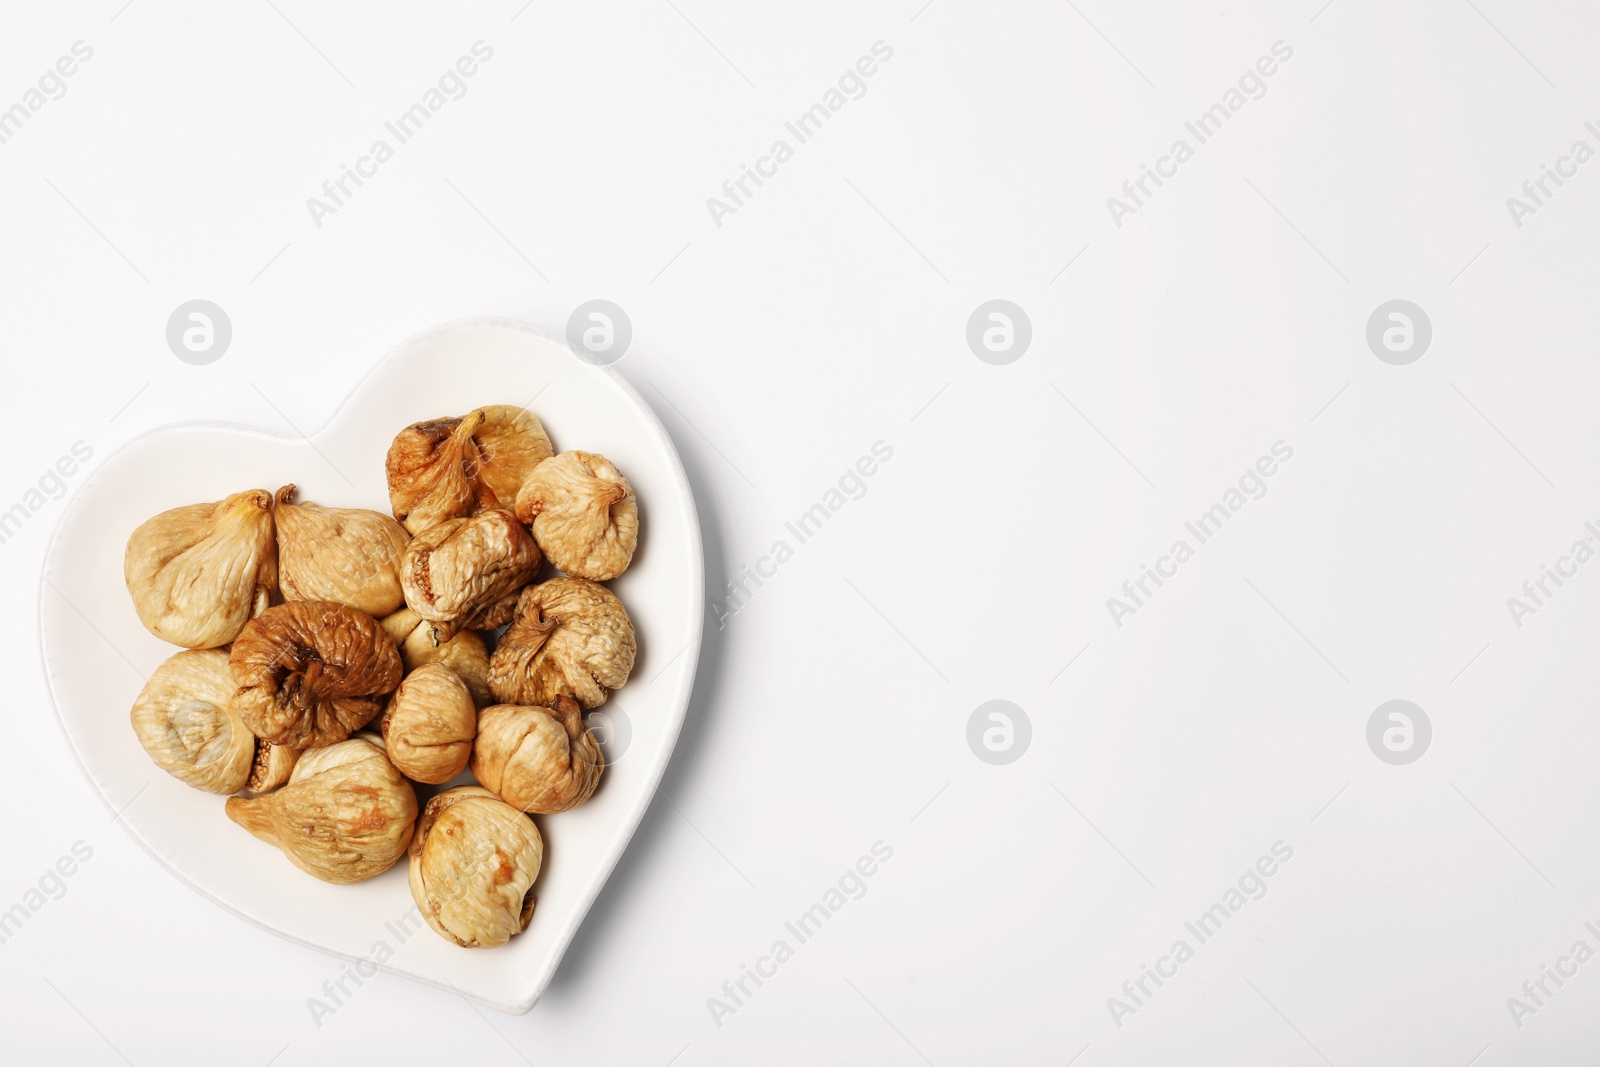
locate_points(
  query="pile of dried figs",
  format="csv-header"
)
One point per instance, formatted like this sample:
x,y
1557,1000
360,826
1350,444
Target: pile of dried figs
x,y
335,657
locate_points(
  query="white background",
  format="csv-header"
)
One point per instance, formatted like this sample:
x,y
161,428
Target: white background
x,y
827,314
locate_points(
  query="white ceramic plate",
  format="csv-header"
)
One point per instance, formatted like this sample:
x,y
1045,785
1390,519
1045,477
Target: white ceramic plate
x,y
97,654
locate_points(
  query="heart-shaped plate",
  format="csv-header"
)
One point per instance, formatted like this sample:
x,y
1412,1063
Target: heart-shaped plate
x,y
97,654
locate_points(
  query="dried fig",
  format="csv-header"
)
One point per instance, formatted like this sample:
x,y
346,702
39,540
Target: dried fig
x,y
511,444
473,863
465,653
541,760
465,573
570,637
419,642
271,769
450,468
350,556
583,513
345,815
184,717
311,672
429,725
198,573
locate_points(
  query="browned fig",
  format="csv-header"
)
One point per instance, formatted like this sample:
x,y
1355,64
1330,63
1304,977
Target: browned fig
x,y
311,672
450,468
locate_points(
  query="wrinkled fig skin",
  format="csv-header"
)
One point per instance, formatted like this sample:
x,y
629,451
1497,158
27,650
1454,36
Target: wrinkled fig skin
x,y
350,556
511,444
198,573
429,725
584,515
311,672
184,717
345,815
538,760
450,468
271,769
569,637
465,573
473,863
465,653
432,468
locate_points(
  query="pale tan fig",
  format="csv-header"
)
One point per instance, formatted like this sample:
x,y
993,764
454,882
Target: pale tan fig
x,y
465,653
569,637
465,573
311,672
511,443
450,468
399,624
184,717
345,815
429,725
271,769
583,513
198,573
473,863
540,760
350,556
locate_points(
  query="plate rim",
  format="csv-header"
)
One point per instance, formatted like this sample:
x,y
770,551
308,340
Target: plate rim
x,y
680,696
